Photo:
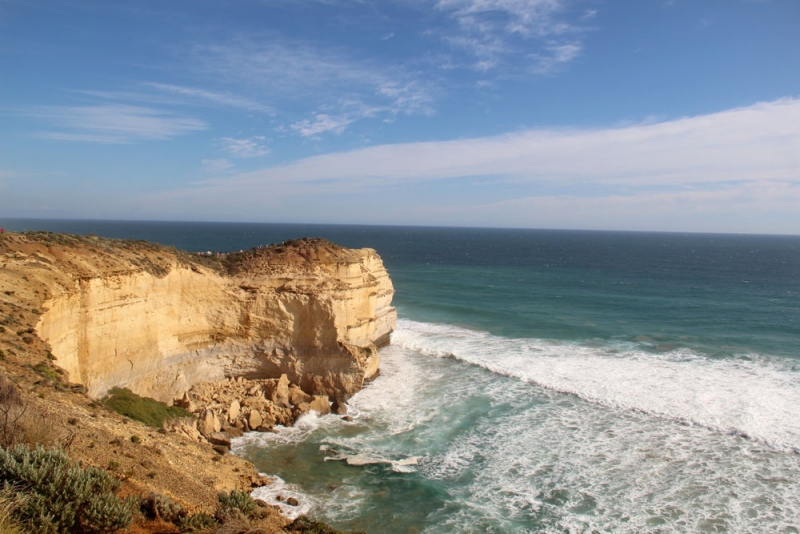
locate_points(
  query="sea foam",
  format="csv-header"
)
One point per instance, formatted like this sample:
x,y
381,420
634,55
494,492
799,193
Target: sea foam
x,y
750,396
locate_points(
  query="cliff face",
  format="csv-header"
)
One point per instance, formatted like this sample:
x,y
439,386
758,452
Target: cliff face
x,y
158,321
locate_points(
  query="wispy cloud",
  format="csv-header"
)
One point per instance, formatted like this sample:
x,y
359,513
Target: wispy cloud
x,y
493,30
251,147
224,99
321,123
216,165
334,85
112,123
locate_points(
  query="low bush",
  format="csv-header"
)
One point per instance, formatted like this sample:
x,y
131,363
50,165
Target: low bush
x,y
143,409
54,495
236,501
158,506
201,522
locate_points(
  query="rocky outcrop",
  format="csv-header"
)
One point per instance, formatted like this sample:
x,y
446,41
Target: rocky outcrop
x,y
146,317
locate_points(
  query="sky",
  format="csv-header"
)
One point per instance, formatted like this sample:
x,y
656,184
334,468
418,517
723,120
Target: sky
x,y
646,115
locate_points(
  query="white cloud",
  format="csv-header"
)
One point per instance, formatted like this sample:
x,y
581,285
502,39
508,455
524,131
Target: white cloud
x,y
759,142
493,30
329,81
224,99
320,124
216,165
113,123
252,147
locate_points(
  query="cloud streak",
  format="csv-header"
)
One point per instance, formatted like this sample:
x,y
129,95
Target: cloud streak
x,y
223,99
113,123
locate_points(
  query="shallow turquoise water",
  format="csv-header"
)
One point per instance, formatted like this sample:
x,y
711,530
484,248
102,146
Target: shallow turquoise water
x,y
553,381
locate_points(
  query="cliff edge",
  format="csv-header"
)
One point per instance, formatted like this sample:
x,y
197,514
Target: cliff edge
x,y
157,321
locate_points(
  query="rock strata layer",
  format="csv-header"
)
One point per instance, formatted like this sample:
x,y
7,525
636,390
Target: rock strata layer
x,y
158,321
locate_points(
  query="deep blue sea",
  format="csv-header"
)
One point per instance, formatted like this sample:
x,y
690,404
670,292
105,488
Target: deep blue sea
x,y
550,381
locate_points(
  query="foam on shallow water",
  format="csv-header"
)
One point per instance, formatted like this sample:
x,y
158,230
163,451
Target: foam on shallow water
x,y
277,492
752,397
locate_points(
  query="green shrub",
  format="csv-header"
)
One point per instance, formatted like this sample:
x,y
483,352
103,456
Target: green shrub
x,y
201,522
44,370
143,409
161,506
236,500
54,495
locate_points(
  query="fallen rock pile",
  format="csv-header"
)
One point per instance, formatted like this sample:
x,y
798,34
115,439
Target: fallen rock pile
x,y
227,408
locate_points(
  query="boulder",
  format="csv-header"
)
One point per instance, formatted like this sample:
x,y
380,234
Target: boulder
x,y
254,420
233,431
220,438
185,402
297,395
267,423
256,403
280,393
208,423
233,411
320,404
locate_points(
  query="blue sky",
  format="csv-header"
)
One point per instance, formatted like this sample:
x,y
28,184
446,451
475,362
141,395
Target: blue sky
x,y
675,115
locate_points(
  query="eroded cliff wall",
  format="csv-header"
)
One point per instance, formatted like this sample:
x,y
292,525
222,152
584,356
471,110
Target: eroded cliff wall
x,y
158,321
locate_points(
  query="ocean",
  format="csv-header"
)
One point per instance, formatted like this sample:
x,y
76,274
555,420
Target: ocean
x,y
550,381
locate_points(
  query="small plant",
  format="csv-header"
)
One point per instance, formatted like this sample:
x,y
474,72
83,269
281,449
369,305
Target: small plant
x,y
72,421
54,495
230,503
44,370
161,506
201,522
142,409
113,465
136,439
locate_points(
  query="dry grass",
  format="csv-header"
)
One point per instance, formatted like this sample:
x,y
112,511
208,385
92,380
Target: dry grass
x,y
8,525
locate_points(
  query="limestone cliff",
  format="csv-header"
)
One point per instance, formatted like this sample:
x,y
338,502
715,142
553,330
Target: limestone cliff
x,y
155,320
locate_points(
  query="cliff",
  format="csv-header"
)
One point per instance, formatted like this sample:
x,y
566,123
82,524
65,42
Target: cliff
x,y
157,321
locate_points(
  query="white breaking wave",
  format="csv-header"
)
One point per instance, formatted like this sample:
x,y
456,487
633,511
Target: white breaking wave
x,y
751,397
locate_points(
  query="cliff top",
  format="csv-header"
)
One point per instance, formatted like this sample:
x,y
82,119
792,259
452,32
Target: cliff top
x,y
297,254
90,255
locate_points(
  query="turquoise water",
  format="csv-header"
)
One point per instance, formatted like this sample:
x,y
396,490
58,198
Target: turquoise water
x,y
552,381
